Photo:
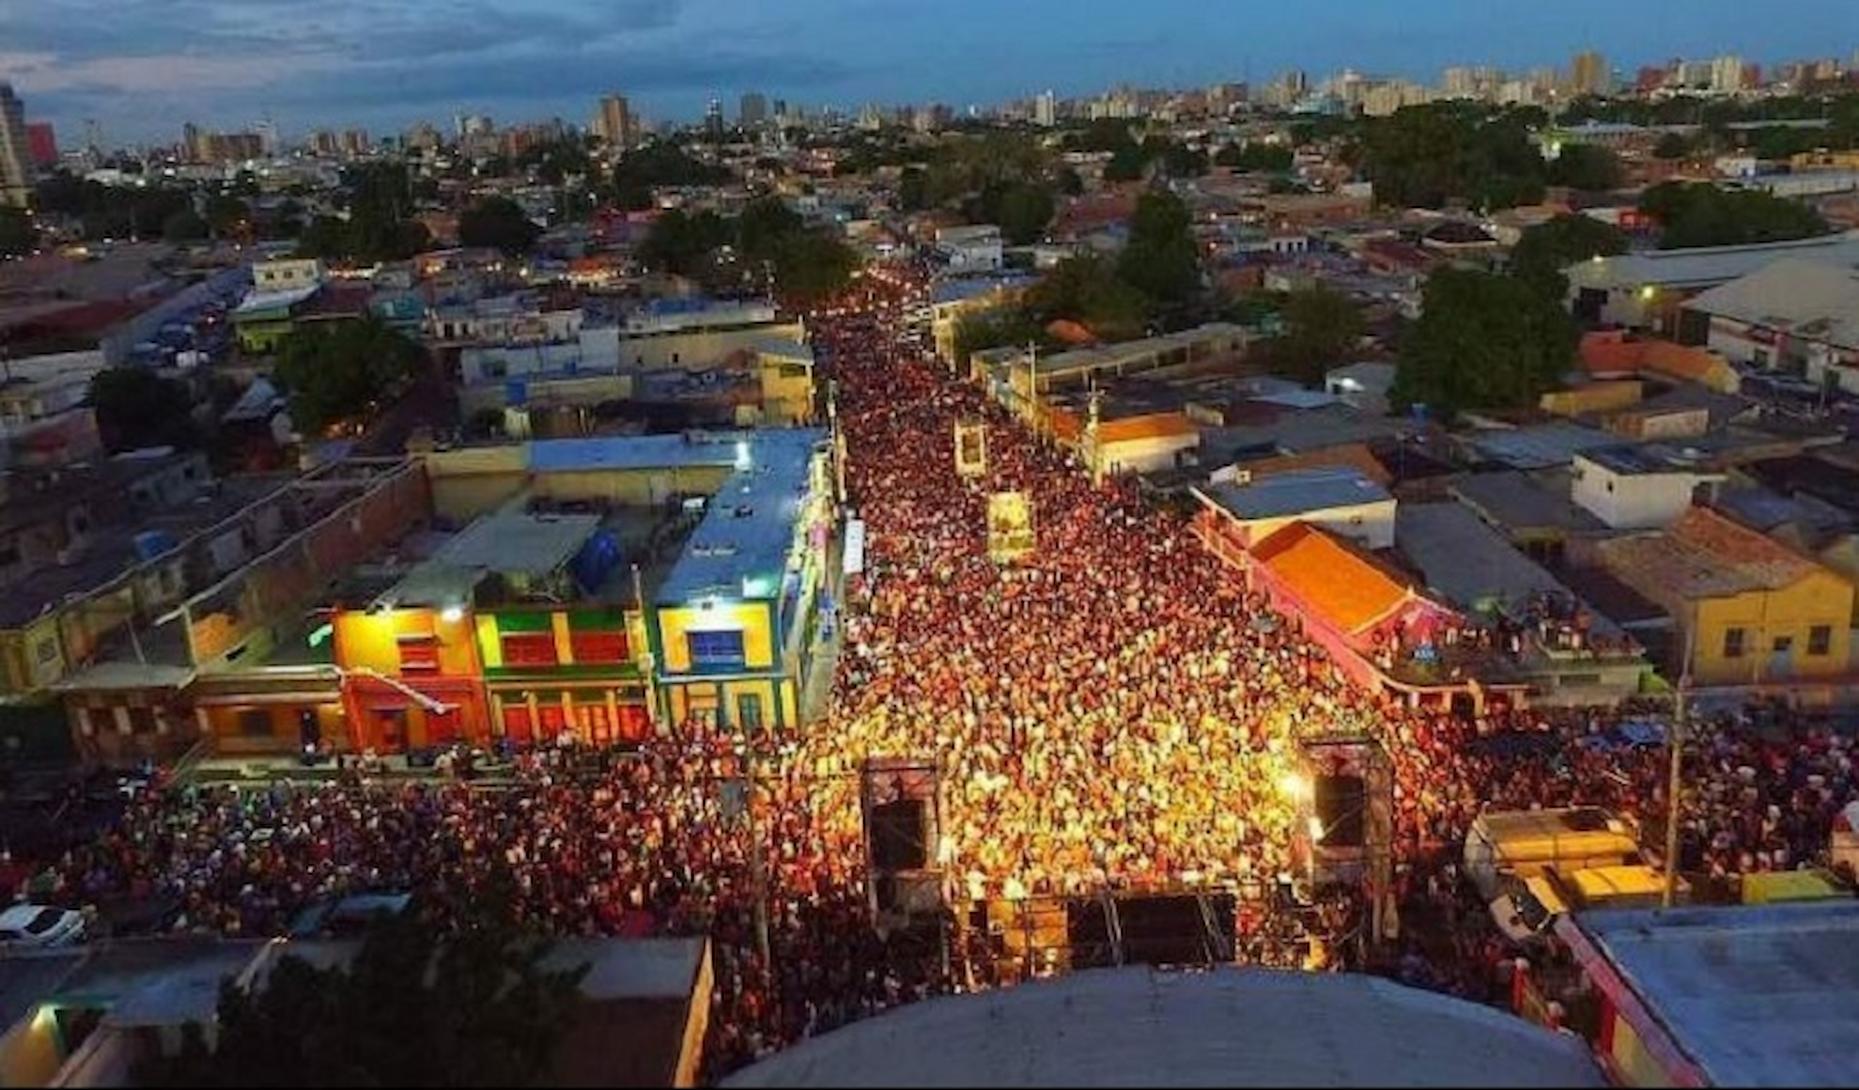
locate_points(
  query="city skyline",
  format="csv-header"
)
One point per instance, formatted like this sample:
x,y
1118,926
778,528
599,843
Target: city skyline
x,y
143,70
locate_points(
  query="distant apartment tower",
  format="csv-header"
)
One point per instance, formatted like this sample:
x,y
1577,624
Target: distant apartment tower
x,y
752,110
324,144
1046,110
16,170
355,143
1588,74
713,119
617,125
42,144
1727,74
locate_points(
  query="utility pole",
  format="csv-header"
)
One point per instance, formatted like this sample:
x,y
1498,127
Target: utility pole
x,y
1090,436
1675,745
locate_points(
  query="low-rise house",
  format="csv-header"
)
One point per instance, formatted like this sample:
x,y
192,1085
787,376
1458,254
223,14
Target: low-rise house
x,y
1638,487
1794,314
1341,500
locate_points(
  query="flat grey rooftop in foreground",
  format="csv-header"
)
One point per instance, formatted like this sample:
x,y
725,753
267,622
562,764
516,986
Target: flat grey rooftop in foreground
x,y
1227,1027
1761,995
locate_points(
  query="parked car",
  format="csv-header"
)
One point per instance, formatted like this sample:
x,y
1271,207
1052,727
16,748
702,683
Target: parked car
x,y
35,927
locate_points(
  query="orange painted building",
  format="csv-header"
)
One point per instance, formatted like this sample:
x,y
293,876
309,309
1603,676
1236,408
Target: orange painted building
x,y
411,677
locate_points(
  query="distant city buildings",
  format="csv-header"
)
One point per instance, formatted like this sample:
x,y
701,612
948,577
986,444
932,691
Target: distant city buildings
x,y
1046,110
615,123
752,111
1589,75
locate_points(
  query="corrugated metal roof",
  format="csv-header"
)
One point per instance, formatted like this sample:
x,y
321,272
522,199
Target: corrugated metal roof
x,y
1298,492
1706,265
1809,298
1756,995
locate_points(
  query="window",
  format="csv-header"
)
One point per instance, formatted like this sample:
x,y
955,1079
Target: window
x,y
598,646
715,648
529,649
1820,639
1733,643
419,655
495,368
1783,644
255,723
749,711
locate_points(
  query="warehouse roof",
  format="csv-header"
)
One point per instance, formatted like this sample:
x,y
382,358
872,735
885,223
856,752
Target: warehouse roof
x,y
1806,298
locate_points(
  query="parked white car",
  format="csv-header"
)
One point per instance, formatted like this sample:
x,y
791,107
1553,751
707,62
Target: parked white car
x,y
36,927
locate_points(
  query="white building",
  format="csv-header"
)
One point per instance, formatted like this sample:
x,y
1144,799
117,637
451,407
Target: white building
x,y
971,249
1636,488
292,274
1794,314
1046,110
1727,74
1362,386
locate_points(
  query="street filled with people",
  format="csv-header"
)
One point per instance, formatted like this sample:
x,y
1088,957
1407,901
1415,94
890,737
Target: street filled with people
x,y
1114,709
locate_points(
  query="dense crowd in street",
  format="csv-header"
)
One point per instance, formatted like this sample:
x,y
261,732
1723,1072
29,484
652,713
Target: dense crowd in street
x,y
1114,708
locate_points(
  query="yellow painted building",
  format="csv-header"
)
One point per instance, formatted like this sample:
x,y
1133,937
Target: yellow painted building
x,y
1751,610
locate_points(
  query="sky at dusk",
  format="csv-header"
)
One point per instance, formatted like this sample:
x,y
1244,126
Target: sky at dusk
x,y
142,67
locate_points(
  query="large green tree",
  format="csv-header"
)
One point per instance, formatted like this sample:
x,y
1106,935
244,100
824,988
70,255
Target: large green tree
x,y
1585,166
1547,248
1254,156
498,223
415,1007
1701,214
342,370
811,266
1425,156
184,225
1086,289
138,408
1483,341
679,242
1321,331
1161,259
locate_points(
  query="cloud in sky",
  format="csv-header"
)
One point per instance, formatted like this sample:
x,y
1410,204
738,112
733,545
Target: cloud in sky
x,y
141,67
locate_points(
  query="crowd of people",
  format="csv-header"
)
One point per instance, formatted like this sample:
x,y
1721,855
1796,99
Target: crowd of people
x,y
1113,709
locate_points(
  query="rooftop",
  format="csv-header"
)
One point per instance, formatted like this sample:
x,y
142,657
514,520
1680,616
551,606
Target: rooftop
x,y
1754,995
1807,298
1226,1027
1340,582
1704,555
1297,492
1469,562
513,541
1538,446
1526,503
1645,459
1705,266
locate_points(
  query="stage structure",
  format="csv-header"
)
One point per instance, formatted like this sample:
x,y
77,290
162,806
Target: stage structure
x,y
1346,819
901,805
971,448
1010,526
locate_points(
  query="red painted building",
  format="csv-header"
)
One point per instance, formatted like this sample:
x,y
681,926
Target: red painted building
x,y
41,143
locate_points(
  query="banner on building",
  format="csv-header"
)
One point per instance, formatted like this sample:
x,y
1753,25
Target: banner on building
x,y
1010,526
854,556
971,448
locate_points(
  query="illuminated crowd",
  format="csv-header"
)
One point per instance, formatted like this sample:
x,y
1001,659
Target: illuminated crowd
x,y
1112,709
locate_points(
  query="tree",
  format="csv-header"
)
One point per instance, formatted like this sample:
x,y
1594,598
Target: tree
x,y
184,225
414,1007
679,241
1671,146
1547,248
138,408
1021,208
498,223
1703,215
1483,341
1086,289
226,214
1585,166
811,266
993,329
17,234
1321,329
765,223
1254,157
1425,156
336,372
1161,259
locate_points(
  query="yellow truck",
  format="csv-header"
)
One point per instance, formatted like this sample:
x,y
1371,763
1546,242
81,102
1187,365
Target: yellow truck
x,y
1506,849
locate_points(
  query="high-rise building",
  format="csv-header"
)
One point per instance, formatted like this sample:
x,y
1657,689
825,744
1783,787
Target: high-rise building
x,y
617,125
16,171
1727,74
1046,109
267,131
42,144
325,144
752,110
713,119
1588,74
355,143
